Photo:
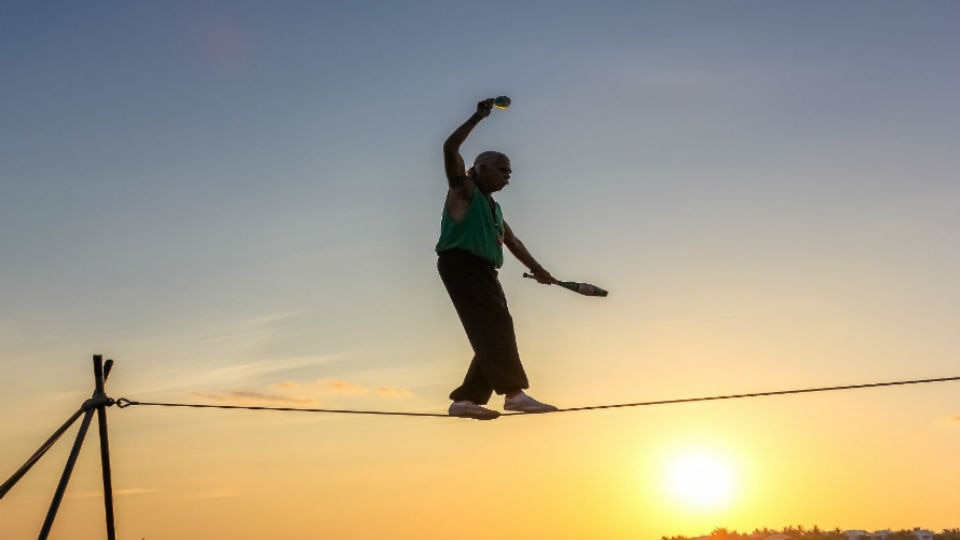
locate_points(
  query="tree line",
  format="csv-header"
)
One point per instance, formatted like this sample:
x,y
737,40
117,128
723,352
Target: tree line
x,y
813,533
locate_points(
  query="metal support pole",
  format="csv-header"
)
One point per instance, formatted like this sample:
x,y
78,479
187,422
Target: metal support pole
x,y
97,403
65,477
101,376
12,481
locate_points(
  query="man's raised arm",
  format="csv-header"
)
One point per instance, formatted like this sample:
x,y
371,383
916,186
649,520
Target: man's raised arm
x,y
452,161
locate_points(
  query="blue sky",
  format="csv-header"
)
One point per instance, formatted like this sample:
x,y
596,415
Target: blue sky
x,y
226,196
167,167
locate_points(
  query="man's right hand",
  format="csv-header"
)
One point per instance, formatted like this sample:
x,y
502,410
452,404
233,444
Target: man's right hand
x,y
484,108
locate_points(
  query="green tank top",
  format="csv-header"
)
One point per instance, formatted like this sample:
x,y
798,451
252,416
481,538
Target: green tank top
x,y
480,231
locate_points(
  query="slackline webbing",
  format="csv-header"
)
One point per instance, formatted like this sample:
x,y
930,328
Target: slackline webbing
x,y
124,402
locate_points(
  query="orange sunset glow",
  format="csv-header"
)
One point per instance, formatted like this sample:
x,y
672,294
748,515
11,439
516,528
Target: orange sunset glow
x,y
239,203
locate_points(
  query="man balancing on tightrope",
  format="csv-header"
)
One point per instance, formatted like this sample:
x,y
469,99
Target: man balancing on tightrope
x,y
469,252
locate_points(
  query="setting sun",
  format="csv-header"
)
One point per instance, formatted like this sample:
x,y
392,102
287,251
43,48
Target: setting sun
x,y
700,479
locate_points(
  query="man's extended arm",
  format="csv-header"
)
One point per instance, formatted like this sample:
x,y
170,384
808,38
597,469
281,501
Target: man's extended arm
x,y
452,161
520,252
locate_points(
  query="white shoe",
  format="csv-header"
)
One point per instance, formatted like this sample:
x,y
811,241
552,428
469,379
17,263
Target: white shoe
x,y
524,403
469,409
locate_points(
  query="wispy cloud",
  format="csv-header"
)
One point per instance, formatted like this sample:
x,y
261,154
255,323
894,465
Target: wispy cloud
x,y
96,494
292,393
249,397
324,386
339,387
386,391
186,377
256,326
220,493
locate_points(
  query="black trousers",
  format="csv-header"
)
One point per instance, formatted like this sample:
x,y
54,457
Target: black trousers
x,y
478,298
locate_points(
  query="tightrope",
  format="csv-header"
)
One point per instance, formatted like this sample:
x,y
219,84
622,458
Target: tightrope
x,y
124,402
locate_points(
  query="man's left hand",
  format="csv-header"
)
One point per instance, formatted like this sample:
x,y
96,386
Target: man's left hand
x,y
542,276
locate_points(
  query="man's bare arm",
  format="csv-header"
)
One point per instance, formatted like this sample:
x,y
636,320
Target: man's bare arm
x,y
452,160
523,255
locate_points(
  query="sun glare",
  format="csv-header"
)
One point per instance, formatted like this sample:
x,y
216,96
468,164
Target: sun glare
x,y
701,480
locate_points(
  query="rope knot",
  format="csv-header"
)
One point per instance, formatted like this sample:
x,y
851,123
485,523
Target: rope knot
x,y
96,402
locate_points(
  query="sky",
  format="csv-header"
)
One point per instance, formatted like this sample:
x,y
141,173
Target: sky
x,y
238,203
